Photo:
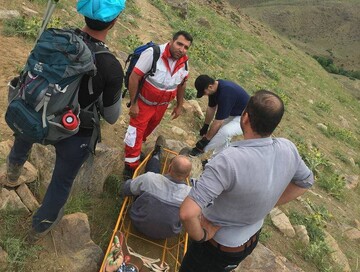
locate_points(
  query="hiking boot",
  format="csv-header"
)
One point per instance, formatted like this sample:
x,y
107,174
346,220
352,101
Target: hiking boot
x,y
159,145
10,173
13,170
33,236
128,172
185,151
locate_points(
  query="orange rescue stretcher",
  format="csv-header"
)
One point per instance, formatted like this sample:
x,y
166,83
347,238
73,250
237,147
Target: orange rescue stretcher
x,y
169,251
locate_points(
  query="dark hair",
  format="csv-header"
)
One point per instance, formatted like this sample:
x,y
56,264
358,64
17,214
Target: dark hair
x,y
187,35
96,24
201,83
265,110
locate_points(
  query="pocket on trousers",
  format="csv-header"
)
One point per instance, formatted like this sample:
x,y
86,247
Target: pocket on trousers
x,y
130,136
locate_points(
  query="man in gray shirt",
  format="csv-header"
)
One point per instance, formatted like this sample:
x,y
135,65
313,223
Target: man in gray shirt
x,y
225,210
155,211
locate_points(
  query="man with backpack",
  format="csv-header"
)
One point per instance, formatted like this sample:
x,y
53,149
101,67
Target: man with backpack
x,y
72,152
227,101
150,101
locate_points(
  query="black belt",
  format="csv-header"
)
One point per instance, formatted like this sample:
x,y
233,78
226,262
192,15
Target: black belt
x,y
241,248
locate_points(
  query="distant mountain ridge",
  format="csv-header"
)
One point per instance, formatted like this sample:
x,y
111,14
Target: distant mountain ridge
x,y
326,28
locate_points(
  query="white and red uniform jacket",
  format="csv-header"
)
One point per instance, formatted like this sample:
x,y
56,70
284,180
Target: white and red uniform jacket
x,y
161,88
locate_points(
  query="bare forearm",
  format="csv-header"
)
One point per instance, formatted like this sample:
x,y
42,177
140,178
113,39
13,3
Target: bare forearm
x,y
180,94
133,85
214,128
291,192
190,217
210,113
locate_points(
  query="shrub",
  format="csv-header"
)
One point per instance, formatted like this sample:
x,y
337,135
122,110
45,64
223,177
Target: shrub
x,y
334,184
28,27
190,93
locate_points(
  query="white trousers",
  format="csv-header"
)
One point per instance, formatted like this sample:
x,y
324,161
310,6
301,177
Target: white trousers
x,y
230,128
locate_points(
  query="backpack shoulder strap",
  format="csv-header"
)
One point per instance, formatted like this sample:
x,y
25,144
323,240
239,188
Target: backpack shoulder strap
x,y
156,56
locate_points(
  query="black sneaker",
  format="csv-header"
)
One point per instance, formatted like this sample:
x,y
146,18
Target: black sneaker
x,y
203,163
195,152
33,236
159,144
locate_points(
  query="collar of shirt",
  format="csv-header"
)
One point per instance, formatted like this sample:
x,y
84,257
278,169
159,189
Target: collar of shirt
x,y
254,142
167,55
174,180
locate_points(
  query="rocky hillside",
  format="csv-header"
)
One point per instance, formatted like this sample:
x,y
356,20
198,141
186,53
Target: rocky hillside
x,y
319,232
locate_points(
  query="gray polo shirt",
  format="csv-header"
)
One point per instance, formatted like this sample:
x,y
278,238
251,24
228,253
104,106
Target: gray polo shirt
x,y
241,185
155,212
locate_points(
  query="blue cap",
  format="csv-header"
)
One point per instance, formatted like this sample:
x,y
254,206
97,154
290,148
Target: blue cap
x,y
101,10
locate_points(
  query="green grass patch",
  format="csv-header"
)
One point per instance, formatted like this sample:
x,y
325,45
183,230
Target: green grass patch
x,y
14,224
28,27
333,184
340,156
322,106
317,252
313,157
342,134
190,93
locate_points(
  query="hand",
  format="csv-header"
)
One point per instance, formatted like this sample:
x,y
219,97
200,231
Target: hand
x,y
204,129
134,110
176,112
202,143
199,147
209,227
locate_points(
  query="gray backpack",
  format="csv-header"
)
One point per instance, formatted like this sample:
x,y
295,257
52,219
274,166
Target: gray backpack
x,y
44,105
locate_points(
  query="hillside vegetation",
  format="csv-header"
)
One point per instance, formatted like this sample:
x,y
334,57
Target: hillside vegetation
x,y
322,115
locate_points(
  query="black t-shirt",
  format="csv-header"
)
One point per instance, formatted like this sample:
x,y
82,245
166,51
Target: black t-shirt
x,y
107,81
230,98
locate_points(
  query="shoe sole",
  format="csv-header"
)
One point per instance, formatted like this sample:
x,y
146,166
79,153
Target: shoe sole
x,y
4,180
34,236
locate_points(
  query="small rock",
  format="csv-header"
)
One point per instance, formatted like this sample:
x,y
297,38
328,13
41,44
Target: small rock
x,y
321,126
10,200
282,222
190,142
8,14
336,254
351,181
27,197
357,224
302,233
204,22
3,259
352,162
344,122
179,131
196,108
29,12
352,234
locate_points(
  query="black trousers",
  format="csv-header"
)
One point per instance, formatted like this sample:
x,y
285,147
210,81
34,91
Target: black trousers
x,y
205,257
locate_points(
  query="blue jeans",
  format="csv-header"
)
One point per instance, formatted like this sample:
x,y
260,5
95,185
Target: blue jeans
x,y
204,257
71,153
153,165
